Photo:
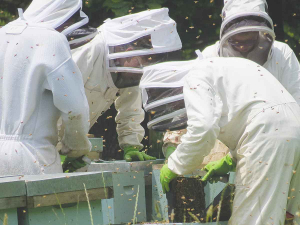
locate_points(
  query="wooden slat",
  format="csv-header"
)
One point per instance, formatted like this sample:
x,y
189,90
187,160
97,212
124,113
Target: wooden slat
x,y
12,186
69,197
66,182
12,202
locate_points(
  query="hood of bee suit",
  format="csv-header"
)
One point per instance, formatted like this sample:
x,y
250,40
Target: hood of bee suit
x,y
138,40
81,36
54,13
242,16
162,94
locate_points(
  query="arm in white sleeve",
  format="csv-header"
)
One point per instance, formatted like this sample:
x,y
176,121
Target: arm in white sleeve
x,y
66,85
204,109
291,75
129,118
90,60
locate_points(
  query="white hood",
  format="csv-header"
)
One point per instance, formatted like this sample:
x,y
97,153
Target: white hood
x,y
234,9
154,23
243,16
53,13
162,94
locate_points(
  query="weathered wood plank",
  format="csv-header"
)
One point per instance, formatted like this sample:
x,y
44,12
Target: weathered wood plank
x,y
61,183
12,202
72,214
12,186
69,197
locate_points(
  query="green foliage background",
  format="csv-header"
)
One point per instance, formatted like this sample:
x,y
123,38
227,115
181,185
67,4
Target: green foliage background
x,y
198,22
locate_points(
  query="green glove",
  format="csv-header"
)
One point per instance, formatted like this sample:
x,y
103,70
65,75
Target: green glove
x,y
219,168
132,153
166,175
62,158
72,164
169,151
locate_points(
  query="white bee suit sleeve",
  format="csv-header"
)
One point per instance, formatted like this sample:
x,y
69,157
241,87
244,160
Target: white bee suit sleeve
x,y
129,117
284,65
69,97
203,128
91,62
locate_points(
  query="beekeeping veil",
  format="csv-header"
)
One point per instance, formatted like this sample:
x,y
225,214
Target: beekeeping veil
x,y
135,41
63,15
241,16
162,94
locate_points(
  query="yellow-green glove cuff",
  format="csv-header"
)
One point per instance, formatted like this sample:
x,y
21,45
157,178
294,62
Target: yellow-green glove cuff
x,y
166,175
169,151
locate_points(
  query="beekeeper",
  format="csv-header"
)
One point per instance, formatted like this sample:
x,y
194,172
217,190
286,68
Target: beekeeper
x,y
39,83
247,31
111,63
243,105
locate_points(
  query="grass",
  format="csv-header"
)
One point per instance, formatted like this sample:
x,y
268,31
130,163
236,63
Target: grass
x,y
5,220
136,204
53,210
90,210
61,208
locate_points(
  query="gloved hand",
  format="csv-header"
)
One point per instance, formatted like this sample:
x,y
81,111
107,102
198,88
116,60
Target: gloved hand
x,y
219,168
166,175
132,153
72,164
169,151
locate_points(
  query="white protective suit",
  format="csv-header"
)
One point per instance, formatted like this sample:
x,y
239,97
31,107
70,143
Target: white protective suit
x,y
39,83
244,106
281,61
96,60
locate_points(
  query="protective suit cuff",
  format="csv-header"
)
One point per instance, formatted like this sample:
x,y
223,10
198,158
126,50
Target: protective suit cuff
x,y
66,150
174,168
77,154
